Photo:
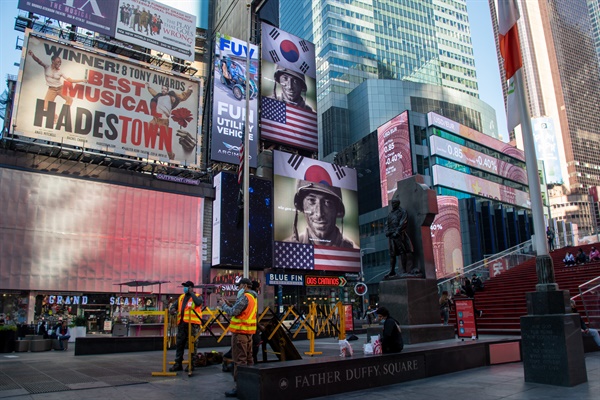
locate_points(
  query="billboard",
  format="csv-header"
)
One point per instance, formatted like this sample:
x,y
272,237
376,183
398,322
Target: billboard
x,y
395,161
546,148
473,135
96,15
315,215
464,155
471,184
288,90
228,223
156,26
446,238
229,100
65,234
71,96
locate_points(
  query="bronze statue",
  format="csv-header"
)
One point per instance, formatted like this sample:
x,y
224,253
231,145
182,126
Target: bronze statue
x,y
399,241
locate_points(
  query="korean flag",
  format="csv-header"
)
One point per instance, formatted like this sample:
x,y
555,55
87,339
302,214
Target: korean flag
x,y
288,51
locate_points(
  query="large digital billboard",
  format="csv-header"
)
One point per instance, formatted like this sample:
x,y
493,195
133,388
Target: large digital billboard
x,y
156,26
464,155
229,100
395,158
471,184
288,90
473,135
315,215
64,234
228,218
446,238
71,96
96,15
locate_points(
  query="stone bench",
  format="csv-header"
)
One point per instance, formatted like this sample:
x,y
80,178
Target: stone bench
x,y
22,345
323,376
40,345
56,344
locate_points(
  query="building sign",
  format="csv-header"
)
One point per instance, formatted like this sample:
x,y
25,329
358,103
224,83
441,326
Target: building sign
x,y
464,155
312,280
395,157
465,317
471,184
156,26
288,90
74,300
303,239
474,136
71,96
96,15
285,279
229,100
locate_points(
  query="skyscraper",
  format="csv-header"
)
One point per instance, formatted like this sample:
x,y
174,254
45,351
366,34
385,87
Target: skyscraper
x,y
560,69
423,42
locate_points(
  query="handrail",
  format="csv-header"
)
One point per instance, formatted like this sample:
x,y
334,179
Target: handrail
x,y
592,315
518,249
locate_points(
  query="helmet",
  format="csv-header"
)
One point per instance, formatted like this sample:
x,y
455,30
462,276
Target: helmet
x,y
281,70
303,188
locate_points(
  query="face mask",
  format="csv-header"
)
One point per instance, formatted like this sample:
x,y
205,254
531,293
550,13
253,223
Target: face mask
x,y
240,293
186,290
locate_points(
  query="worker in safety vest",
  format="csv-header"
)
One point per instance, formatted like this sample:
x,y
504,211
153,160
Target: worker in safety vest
x,y
242,326
186,305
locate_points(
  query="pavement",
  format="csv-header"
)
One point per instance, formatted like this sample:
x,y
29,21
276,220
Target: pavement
x,y
59,375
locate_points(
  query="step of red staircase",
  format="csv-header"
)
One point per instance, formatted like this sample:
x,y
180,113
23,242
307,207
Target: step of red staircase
x,y
504,300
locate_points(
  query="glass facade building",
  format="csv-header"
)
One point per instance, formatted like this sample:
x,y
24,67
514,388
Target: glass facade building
x,y
490,222
560,69
424,42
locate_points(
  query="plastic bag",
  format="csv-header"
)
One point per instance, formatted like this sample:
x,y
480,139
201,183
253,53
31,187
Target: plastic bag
x,y
345,348
376,342
368,348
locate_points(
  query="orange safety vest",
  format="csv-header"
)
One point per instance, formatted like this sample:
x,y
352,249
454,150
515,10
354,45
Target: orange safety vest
x,y
246,322
188,314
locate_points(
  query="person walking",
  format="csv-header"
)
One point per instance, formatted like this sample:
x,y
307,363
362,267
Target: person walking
x,y
188,310
242,326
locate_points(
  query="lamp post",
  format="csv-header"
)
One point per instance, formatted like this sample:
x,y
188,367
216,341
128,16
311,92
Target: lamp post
x,y
362,277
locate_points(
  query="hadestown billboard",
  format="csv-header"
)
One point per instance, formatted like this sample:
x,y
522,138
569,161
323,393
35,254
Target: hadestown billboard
x,y
71,96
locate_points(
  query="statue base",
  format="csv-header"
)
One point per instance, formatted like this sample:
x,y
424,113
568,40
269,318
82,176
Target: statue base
x,y
551,341
414,304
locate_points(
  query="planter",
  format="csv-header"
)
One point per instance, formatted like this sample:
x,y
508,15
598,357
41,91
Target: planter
x,y
77,331
7,341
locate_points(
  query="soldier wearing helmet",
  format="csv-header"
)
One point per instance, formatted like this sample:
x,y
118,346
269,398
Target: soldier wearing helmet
x,y
322,205
293,84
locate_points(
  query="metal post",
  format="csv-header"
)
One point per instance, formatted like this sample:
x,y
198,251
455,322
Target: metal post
x,y
544,267
246,171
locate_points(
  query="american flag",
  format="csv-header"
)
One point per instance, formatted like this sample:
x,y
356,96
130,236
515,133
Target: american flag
x,y
294,255
320,258
328,258
287,124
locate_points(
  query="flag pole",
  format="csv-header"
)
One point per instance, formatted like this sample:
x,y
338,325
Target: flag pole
x,y
544,266
246,171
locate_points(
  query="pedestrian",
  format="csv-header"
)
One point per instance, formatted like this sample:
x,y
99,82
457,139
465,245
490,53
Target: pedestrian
x,y
445,305
63,333
391,339
242,326
189,310
550,236
585,330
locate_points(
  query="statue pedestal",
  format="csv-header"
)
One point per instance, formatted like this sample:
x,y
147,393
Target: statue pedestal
x,y
551,341
414,304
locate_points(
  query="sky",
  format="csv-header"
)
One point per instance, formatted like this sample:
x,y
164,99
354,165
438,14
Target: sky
x,y
488,75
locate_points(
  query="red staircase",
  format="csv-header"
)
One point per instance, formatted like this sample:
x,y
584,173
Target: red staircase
x,y
503,300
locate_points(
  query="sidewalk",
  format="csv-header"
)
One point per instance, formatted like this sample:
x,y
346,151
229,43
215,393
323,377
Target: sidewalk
x,y
57,375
